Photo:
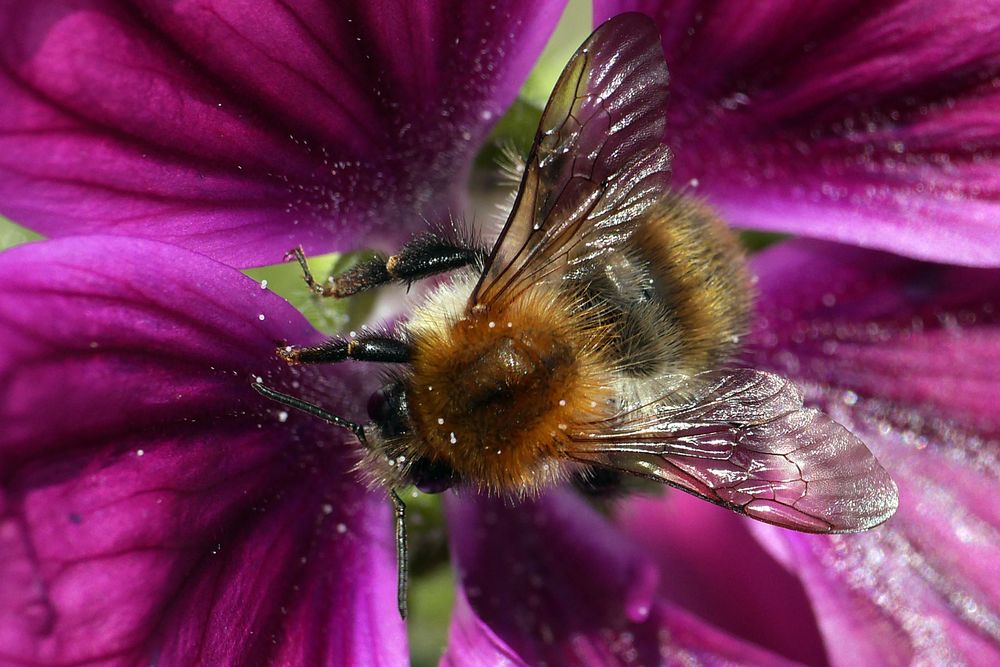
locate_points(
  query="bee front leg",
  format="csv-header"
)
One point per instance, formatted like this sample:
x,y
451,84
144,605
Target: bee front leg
x,y
424,256
297,403
366,347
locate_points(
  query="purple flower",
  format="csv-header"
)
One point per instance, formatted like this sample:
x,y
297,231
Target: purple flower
x,y
868,123
906,355
873,125
154,509
241,129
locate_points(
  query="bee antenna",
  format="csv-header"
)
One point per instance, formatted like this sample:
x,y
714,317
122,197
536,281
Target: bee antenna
x,y
314,410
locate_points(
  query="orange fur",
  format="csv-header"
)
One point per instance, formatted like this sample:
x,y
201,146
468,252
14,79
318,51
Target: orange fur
x,y
494,393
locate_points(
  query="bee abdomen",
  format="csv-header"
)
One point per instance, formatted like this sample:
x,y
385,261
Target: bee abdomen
x,y
678,299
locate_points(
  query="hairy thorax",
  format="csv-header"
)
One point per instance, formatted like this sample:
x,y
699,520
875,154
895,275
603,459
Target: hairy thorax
x,y
494,393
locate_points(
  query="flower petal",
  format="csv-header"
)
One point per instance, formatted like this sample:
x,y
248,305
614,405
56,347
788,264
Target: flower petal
x,y
154,509
715,568
885,327
904,354
551,582
241,129
868,123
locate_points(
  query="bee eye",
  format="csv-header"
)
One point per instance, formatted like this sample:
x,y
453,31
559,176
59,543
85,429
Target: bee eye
x,y
378,406
431,476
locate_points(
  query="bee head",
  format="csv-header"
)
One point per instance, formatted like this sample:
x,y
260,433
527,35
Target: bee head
x,y
388,434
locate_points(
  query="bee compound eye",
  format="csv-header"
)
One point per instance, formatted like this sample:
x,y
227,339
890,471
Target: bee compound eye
x,y
378,406
431,476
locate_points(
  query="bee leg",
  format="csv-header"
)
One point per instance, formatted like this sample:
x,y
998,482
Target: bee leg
x,y
315,410
402,554
366,347
599,482
424,256
299,255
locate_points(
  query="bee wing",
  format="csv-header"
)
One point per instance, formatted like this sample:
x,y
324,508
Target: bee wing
x,y
597,162
742,439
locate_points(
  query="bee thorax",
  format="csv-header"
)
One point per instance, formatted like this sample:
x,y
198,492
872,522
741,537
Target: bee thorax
x,y
495,394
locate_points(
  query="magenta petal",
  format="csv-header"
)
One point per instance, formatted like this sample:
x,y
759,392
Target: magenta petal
x,y
241,129
714,567
154,509
906,355
550,582
882,326
869,123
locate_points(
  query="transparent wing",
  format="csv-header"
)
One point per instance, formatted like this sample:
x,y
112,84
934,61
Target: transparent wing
x,y
743,439
597,162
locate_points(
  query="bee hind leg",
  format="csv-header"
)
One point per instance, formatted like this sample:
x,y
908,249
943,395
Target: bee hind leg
x,y
599,482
